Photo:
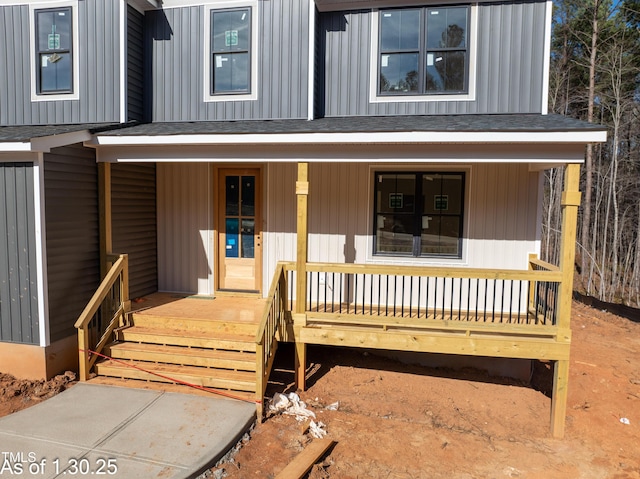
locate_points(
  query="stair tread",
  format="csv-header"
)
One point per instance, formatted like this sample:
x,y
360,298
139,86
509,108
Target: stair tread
x,y
184,351
217,319
176,370
190,333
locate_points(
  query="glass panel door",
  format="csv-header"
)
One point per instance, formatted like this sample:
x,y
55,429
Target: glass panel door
x,y
239,238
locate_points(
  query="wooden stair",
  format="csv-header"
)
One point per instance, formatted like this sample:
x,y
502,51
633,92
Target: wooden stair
x,y
218,354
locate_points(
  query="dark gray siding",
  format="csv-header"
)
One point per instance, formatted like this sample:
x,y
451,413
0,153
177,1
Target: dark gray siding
x,y
135,69
133,216
73,253
18,272
175,37
510,64
99,87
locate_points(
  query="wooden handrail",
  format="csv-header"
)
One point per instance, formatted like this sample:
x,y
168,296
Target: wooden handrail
x,y
544,264
101,293
118,271
266,336
440,272
270,298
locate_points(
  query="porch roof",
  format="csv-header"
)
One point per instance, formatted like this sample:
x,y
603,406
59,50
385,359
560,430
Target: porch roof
x,y
520,128
45,137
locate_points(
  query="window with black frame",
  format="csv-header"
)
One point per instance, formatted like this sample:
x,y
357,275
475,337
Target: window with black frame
x,y
230,51
419,214
54,52
423,51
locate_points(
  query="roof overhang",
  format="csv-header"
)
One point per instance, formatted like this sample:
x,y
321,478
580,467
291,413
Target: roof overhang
x,y
365,138
15,146
45,143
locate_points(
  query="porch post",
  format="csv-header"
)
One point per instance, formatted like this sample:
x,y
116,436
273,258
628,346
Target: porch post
x,y
569,203
302,193
104,211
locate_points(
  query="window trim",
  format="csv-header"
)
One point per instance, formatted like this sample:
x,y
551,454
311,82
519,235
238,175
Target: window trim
x,y
253,51
74,94
374,74
427,260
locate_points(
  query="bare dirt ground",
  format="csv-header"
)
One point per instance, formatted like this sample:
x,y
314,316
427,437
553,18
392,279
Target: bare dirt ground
x,y
402,422
17,394
397,421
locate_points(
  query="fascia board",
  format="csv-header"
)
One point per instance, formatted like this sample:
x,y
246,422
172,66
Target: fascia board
x,y
15,146
45,143
412,137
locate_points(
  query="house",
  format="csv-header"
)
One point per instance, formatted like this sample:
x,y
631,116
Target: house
x,y
371,170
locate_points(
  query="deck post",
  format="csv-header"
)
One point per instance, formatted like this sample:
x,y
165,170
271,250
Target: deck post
x,y
569,203
302,194
104,211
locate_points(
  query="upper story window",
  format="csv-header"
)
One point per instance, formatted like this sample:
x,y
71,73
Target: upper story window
x,y
54,52
54,32
424,50
419,214
231,52
423,54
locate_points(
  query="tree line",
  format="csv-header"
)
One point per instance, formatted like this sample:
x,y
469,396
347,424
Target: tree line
x,y
594,76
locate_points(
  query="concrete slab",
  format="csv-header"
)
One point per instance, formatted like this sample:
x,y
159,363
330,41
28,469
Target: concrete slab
x,y
58,418
123,432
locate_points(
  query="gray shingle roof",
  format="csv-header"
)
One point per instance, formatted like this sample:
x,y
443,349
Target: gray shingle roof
x,y
361,124
26,133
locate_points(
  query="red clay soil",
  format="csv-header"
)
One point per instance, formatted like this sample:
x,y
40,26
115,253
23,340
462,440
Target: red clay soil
x,y
17,394
403,422
406,422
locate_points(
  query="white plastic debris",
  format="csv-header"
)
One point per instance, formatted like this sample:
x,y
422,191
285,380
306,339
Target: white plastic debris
x,y
624,420
316,429
292,405
333,406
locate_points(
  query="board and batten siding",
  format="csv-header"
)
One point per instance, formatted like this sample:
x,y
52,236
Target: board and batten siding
x,y
99,78
133,219
185,231
509,64
501,215
175,38
72,244
135,65
19,321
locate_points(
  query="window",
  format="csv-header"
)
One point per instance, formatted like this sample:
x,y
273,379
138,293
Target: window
x,y
231,51
419,214
424,51
54,51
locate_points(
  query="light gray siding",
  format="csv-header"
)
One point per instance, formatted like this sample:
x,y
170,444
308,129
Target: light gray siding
x,y
135,65
500,224
99,84
175,36
185,228
19,320
73,254
510,64
133,216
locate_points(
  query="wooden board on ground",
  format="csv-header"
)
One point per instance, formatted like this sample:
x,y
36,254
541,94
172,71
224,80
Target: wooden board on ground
x,y
304,461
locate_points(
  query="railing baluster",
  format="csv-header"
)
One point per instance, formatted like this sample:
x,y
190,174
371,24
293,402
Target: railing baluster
x,y
451,300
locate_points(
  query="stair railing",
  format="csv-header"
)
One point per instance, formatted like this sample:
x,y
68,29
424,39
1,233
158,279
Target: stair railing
x,y
103,314
274,320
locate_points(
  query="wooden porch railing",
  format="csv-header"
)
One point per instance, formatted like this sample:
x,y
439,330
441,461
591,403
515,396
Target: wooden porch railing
x,y
104,312
274,321
428,293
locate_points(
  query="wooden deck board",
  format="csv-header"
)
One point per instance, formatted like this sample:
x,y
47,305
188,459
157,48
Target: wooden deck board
x,y
223,308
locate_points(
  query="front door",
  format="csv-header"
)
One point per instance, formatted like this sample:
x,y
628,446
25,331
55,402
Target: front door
x,y
239,230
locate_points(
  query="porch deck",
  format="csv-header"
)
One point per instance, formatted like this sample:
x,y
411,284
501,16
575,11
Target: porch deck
x,y
235,309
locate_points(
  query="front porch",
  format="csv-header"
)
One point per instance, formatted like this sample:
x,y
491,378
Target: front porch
x,y
230,343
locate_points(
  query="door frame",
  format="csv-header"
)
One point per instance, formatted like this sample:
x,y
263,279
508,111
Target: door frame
x,y
218,214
